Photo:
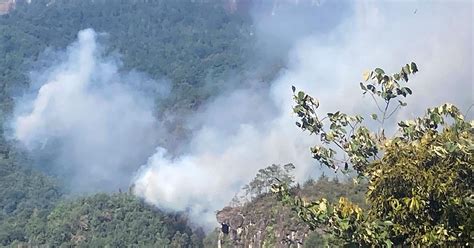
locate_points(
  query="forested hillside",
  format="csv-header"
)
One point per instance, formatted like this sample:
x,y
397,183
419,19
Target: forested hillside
x,y
132,123
26,196
195,45
35,210
180,41
183,41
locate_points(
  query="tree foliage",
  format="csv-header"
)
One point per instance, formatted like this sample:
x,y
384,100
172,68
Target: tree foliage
x,y
187,42
266,177
34,211
264,221
117,220
26,196
420,180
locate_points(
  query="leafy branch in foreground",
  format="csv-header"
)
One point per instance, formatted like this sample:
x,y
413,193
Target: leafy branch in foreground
x,y
419,182
344,132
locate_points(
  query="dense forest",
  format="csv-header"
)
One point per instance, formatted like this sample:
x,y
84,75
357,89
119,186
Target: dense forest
x,y
154,37
203,48
185,42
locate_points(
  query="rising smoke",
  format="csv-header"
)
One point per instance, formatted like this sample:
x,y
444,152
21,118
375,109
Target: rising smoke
x,y
90,118
105,127
327,64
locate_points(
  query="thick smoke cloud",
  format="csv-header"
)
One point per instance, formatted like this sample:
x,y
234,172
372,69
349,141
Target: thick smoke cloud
x,y
243,132
250,129
100,126
92,120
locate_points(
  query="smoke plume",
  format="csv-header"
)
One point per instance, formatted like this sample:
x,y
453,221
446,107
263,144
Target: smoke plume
x,y
103,127
246,130
91,119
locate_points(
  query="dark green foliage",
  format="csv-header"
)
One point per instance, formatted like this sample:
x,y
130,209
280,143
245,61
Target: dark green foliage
x,y
188,42
26,196
30,213
185,41
268,176
116,220
333,189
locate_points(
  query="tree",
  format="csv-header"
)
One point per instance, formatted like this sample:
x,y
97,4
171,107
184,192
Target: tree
x,y
420,180
264,179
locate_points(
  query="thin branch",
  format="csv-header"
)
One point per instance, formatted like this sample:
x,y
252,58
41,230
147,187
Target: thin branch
x,y
468,110
376,103
349,123
339,145
396,108
385,112
338,160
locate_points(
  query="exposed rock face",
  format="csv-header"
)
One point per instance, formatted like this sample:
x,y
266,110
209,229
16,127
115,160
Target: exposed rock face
x,y
263,223
6,6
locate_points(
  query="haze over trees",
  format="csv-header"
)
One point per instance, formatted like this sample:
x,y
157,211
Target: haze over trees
x,y
412,187
182,41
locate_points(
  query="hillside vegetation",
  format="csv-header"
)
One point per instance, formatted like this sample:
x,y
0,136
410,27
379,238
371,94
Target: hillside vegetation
x,y
263,221
413,188
182,41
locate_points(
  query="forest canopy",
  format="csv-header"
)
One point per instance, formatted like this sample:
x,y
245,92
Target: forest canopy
x,y
183,41
132,123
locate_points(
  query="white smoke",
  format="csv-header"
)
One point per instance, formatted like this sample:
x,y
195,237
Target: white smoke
x,y
224,155
251,129
93,118
103,127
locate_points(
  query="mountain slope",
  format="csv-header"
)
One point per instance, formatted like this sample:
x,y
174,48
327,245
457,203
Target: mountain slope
x,y
265,222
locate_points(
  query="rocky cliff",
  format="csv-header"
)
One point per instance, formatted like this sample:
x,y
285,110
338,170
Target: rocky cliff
x,y
265,222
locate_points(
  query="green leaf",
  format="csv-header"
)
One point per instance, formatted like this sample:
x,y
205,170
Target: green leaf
x,y
388,223
371,88
396,76
403,124
403,104
330,136
301,95
379,71
413,67
406,69
408,90
404,76
293,88
362,86
374,116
